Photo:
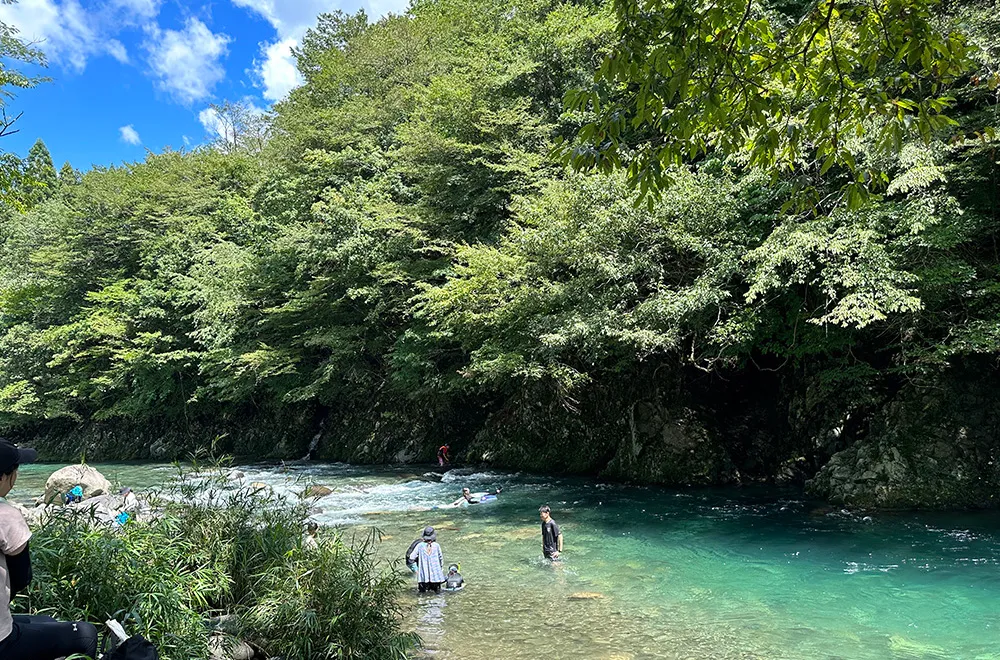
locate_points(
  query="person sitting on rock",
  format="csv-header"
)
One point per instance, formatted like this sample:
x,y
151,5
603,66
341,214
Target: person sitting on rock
x,y
75,495
311,539
129,501
28,637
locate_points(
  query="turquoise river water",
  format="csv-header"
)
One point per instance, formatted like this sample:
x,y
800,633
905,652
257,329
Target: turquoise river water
x,y
656,573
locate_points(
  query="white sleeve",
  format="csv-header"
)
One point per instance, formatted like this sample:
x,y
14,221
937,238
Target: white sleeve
x,y
14,532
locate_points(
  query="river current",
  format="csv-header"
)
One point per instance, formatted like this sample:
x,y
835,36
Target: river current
x,y
657,573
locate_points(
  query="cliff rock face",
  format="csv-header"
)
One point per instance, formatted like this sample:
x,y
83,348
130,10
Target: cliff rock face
x,y
936,445
257,433
932,447
650,437
669,446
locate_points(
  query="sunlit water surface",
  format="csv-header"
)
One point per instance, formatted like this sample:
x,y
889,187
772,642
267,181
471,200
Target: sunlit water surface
x,y
654,573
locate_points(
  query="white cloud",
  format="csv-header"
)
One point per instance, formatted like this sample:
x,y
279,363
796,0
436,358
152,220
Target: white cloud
x,y
145,9
276,72
71,34
187,140
130,135
61,31
217,126
290,19
117,50
210,119
187,62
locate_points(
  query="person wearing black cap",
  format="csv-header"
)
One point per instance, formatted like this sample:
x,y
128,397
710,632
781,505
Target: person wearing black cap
x,y
23,637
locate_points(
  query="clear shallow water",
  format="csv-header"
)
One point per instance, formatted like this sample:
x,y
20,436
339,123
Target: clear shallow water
x,y
751,573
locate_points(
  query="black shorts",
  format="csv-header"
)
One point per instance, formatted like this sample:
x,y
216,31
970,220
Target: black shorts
x,y
423,587
37,637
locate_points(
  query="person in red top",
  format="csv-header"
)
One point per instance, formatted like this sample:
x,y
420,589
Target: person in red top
x,y
443,455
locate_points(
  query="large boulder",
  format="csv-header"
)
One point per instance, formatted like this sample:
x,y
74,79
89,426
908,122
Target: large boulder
x,y
62,481
224,647
101,508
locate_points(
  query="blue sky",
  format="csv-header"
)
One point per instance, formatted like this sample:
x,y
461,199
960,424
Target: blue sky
x,y
132,75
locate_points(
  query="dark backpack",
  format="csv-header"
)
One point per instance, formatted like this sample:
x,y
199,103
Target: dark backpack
x,y
134,648
406,557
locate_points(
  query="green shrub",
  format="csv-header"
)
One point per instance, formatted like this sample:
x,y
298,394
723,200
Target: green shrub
x,y
331,602
211,551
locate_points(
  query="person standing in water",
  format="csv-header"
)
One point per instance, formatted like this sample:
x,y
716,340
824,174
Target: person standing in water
x,y
443,458
552,539
430,562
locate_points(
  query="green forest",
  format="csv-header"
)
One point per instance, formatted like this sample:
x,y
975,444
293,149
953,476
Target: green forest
x,y
663,242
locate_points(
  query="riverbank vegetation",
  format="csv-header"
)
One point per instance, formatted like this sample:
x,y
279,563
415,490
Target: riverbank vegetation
x,y
759,244
214,560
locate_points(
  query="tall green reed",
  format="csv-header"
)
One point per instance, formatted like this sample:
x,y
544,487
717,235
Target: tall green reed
x,y
209,549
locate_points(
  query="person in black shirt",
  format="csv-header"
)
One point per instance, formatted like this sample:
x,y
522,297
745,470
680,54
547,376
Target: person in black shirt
x,y
552,540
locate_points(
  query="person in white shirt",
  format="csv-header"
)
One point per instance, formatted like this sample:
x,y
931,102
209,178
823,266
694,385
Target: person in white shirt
x,y
28,637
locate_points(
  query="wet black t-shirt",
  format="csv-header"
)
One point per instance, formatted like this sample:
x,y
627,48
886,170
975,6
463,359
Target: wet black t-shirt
x,y
550,537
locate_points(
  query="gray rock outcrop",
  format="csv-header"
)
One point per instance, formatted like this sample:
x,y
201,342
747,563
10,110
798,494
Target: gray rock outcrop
x,y
930,448
62,481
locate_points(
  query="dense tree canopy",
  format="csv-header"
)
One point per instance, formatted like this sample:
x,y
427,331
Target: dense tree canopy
x,y
394,255
787,86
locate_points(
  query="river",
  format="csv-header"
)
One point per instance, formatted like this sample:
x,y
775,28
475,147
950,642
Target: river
x,y
657,573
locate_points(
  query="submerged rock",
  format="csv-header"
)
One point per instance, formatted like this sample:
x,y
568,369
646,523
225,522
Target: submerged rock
x,y
316,491
259,487
62,481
